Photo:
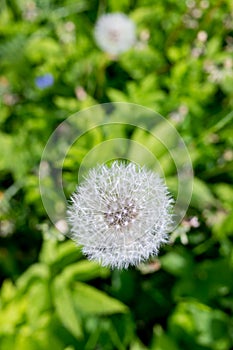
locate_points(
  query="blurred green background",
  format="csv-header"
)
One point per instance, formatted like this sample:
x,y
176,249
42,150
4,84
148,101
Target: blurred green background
x,y
180,67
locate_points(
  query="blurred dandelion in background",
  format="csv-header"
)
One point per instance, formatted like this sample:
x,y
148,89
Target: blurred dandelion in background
x,y
115,33
44,81
121,214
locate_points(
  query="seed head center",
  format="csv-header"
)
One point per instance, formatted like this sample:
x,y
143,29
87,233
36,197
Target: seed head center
x,y
113,35
121,215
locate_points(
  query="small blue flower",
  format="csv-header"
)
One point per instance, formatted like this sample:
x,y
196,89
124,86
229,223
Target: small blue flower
x,y
44,81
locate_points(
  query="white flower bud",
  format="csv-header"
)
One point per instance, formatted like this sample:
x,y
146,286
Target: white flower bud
x,y
115,33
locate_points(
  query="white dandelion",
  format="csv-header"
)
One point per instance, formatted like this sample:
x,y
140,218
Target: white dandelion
x,y
115,33
120,215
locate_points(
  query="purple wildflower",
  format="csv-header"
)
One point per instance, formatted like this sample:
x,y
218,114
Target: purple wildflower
x,y
44,81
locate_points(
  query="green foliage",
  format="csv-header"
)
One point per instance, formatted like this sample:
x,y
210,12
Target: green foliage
x,y
45,300
180,67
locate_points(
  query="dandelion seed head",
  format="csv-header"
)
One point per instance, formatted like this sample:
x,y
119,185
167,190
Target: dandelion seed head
x,y
120,215
115,33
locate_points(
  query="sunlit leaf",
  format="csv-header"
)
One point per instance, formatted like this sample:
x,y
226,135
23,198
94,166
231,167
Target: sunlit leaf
x,y
90,300
65,307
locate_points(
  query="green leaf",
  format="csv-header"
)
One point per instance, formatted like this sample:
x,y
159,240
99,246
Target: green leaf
x,y
59,254
138,345
65,308
48,251
202,196
8,291
38,300
84,271
197,323
176,263
34,272
224,226
67,252
225,193
12,315
7,342
162,341
116,95
208,281
89,300
39,337
6,142
38,48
